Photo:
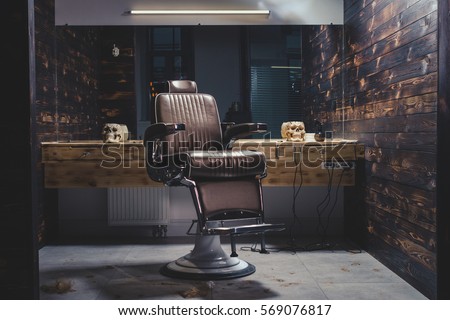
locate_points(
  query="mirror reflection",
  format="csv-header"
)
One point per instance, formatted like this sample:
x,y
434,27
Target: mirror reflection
x,y
257,73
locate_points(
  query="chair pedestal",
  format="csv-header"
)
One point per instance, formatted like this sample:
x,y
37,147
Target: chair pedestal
x,y
207,261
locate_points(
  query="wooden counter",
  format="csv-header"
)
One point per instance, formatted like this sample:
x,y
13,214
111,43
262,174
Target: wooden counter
x,y
315,161
96,164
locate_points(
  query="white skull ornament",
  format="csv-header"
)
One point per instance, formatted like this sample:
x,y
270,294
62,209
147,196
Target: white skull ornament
x,y
114,132
293,131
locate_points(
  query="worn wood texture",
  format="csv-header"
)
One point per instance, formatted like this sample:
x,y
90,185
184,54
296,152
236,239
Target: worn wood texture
x,y
65,96
96,174
93,163
80,86
323,75
390,73
68,84
303,162
117,99
443,178
79,164
76,113
43,118
93,150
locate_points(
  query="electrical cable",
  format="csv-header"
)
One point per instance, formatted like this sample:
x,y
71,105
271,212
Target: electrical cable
x,y
295,192
335,201
292,246
322,227
321,207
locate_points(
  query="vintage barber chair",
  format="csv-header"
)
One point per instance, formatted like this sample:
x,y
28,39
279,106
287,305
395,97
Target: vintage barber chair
x,y
187,146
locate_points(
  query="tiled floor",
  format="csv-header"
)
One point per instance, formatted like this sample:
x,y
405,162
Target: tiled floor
x,y
131,271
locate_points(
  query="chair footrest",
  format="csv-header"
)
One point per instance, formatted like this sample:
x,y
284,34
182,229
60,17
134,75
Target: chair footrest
x,y
253,228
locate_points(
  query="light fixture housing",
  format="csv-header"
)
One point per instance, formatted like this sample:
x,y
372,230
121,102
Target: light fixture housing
x,y
263,12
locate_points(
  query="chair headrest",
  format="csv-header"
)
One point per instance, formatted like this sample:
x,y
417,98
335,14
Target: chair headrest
x,y
182,86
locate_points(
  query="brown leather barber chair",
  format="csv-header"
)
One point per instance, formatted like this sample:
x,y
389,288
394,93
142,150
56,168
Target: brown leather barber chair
x,y
187,146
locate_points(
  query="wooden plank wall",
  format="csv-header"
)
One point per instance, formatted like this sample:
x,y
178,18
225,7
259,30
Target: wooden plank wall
x,y
323,76
390,104
67,78
117,99
443,178
79,87
43,117
66,96
77,74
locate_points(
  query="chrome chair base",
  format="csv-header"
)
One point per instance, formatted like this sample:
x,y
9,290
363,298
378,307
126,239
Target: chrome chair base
x,y
207,261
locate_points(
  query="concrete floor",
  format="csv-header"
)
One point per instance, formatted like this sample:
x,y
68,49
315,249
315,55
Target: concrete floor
x,y
131,271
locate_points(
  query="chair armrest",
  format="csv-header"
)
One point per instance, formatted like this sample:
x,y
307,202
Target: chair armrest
x,y
242,130
160,130
226,125
152,139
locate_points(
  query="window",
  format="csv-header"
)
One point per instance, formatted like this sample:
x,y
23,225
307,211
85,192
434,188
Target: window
x,y
267,70
275,75
169,55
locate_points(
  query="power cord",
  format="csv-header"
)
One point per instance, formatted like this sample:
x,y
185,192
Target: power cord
x,y
335,202
322,228
295,192
322,206
292,246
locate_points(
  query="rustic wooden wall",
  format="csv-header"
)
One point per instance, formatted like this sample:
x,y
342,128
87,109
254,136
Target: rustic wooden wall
x,y
76,114
65,107
79,87
43,104
390,90
392,81
67,78
443,178
117,99
323,76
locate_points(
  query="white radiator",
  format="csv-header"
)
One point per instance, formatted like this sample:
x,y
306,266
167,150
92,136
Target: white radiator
x,y
140,206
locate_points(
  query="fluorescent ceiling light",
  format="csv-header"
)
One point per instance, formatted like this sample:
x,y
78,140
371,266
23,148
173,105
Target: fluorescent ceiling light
x,y
284,67
199,12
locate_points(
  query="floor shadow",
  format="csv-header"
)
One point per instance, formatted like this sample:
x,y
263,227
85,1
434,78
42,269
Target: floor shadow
x,y
143,281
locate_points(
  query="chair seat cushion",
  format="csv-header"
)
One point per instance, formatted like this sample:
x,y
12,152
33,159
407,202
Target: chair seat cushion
x,y
224,164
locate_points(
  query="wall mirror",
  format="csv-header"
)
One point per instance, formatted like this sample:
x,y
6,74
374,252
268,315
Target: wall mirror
x,y
283,66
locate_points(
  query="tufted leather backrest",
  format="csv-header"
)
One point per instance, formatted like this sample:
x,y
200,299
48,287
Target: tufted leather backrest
x,y
198,111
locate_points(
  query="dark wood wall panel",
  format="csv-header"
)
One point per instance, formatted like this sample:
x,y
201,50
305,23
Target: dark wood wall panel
x,y
43,115
117,100
392,83
76,110
79,87
443,179
390,75
323,74
67,78
65,106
